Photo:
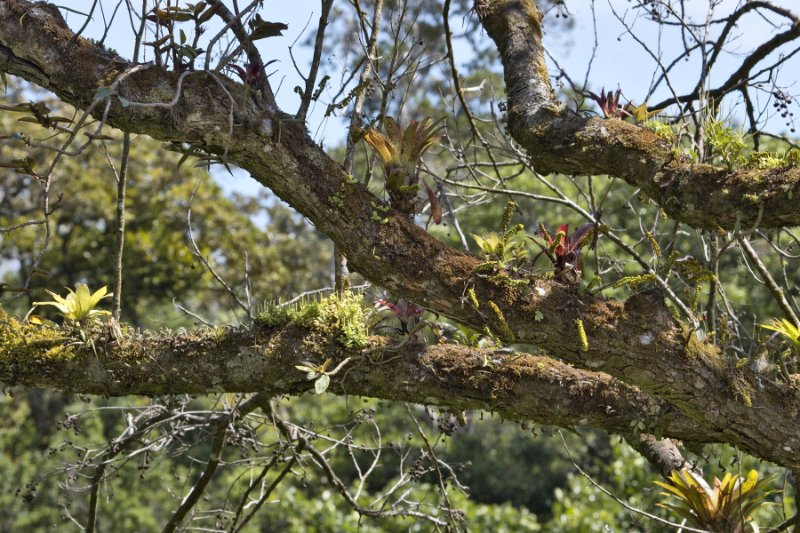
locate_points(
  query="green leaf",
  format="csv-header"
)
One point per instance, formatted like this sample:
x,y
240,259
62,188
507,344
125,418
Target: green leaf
x,y
79,305
208,13
538,316
321,385
263,29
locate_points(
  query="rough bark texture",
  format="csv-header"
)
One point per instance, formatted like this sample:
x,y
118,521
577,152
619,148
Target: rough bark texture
x,y
695,392
517,386
560,140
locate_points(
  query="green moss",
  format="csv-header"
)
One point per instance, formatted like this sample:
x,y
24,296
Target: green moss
x,y
29,343
273,315
336,200
344,315
747,400
792,157
504,280
502,325
582,335
473,298
751,197
661,129
633,281
764,160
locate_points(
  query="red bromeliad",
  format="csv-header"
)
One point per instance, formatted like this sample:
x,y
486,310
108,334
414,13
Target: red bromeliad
x,y
564,250
406,312
609,103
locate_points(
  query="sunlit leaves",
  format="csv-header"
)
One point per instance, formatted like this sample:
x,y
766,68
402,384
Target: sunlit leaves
x,y
402,148
639,113
78,306
727,506
399,151
788,331
725,142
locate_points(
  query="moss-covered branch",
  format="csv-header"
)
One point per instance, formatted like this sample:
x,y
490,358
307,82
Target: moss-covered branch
x,y
517,386
560,140
638,341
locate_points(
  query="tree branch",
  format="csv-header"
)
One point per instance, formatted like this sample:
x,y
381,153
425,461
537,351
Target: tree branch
x,y
561,140
516,386
638,341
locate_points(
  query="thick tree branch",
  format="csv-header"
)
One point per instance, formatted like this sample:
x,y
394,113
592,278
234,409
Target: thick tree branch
x,y
638,341
561,140
516,386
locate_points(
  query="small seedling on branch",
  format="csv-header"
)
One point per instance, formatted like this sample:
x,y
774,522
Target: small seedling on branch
x,y
317,373
726,143
502,248
639,113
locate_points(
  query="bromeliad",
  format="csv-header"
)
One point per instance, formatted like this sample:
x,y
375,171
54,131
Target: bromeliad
x,y
609,103
407,313
564,250
400,151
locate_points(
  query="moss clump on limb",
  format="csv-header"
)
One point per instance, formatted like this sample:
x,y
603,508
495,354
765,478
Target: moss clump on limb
x,y
29,343
344,314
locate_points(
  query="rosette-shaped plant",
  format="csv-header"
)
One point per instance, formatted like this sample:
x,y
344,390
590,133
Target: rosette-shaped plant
x,y
78,308
725,508
564,250
400,151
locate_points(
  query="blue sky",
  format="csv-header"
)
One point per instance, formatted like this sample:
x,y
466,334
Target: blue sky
x,y
617,61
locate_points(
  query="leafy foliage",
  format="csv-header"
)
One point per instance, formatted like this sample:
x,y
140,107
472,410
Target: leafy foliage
x,y
788,331
661,129
284,255
78,307
564,250
317,373
503,248
400,151
609,103
725,508
725,142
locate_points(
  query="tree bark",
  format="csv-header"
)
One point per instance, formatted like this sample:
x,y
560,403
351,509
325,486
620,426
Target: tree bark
x,y
695,392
